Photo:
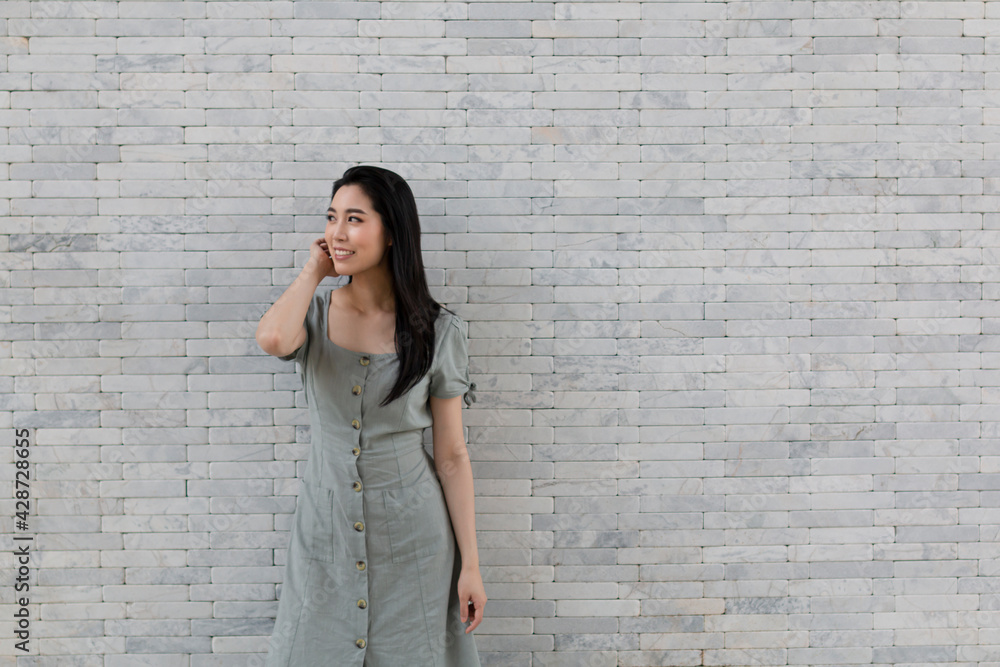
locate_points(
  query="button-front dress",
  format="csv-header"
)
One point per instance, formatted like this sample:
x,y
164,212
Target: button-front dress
x,y
372,568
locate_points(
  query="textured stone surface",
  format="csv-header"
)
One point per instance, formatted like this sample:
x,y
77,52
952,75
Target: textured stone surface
x,y
730,273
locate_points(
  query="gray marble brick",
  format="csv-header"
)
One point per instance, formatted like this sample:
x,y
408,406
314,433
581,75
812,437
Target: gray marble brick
x,y
728,270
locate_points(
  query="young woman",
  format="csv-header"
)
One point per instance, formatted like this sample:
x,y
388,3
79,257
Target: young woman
x,y
382,567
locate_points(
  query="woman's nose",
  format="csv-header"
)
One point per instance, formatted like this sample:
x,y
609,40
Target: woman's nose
x,y
338,231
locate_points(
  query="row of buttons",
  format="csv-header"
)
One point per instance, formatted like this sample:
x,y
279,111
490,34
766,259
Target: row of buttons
x,y
359,526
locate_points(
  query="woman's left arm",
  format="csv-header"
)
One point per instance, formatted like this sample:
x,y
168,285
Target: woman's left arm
x,y
454,469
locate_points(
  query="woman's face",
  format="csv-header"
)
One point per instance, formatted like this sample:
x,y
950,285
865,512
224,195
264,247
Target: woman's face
x,y
354,232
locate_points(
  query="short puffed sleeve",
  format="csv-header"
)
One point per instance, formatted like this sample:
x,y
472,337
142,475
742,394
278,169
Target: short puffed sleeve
x,y
449,375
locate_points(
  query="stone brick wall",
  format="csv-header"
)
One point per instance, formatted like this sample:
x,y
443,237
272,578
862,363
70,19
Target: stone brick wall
x,y
730,273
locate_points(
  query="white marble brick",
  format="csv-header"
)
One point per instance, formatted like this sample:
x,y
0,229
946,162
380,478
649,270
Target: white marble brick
x,y
729,274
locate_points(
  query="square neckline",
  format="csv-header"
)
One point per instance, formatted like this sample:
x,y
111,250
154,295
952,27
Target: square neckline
x,y
326,332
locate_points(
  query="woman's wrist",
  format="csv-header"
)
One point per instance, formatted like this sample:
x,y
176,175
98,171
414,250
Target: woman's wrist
x,y
314,271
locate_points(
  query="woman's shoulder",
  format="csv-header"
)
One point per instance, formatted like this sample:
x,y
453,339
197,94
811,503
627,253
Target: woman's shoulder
x,y
334,294
448,329
446,319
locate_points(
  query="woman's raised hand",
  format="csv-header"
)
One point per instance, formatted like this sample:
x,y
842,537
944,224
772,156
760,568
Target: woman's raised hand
x,y
319,256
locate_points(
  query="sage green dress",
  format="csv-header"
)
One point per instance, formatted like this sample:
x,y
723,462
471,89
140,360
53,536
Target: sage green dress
x,y
372,567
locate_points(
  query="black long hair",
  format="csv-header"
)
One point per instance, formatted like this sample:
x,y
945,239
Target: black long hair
x,y
416,310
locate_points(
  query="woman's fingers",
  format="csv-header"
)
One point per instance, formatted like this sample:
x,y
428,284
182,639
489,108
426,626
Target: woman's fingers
x,y
324,249
475,616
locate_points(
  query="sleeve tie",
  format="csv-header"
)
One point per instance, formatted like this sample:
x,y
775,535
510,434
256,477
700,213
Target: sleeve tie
x,y
470,395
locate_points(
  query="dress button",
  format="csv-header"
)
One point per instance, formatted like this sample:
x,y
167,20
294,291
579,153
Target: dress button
x,y
364,361
356,390
358,526
356,486
361,565
362,603
360,643
356,424
355,451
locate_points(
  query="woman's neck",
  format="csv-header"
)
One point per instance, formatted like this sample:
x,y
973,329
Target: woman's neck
x,y
371,292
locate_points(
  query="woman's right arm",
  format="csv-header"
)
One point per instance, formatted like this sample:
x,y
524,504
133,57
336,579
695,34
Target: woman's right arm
x,y
282,328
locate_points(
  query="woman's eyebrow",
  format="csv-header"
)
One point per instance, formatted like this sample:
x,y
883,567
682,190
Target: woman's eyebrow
x,y
350,210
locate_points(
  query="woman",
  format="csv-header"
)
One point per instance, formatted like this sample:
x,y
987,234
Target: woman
x,y
382,567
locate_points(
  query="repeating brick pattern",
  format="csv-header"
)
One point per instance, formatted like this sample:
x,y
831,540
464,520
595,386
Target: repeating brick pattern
x,y
730,271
